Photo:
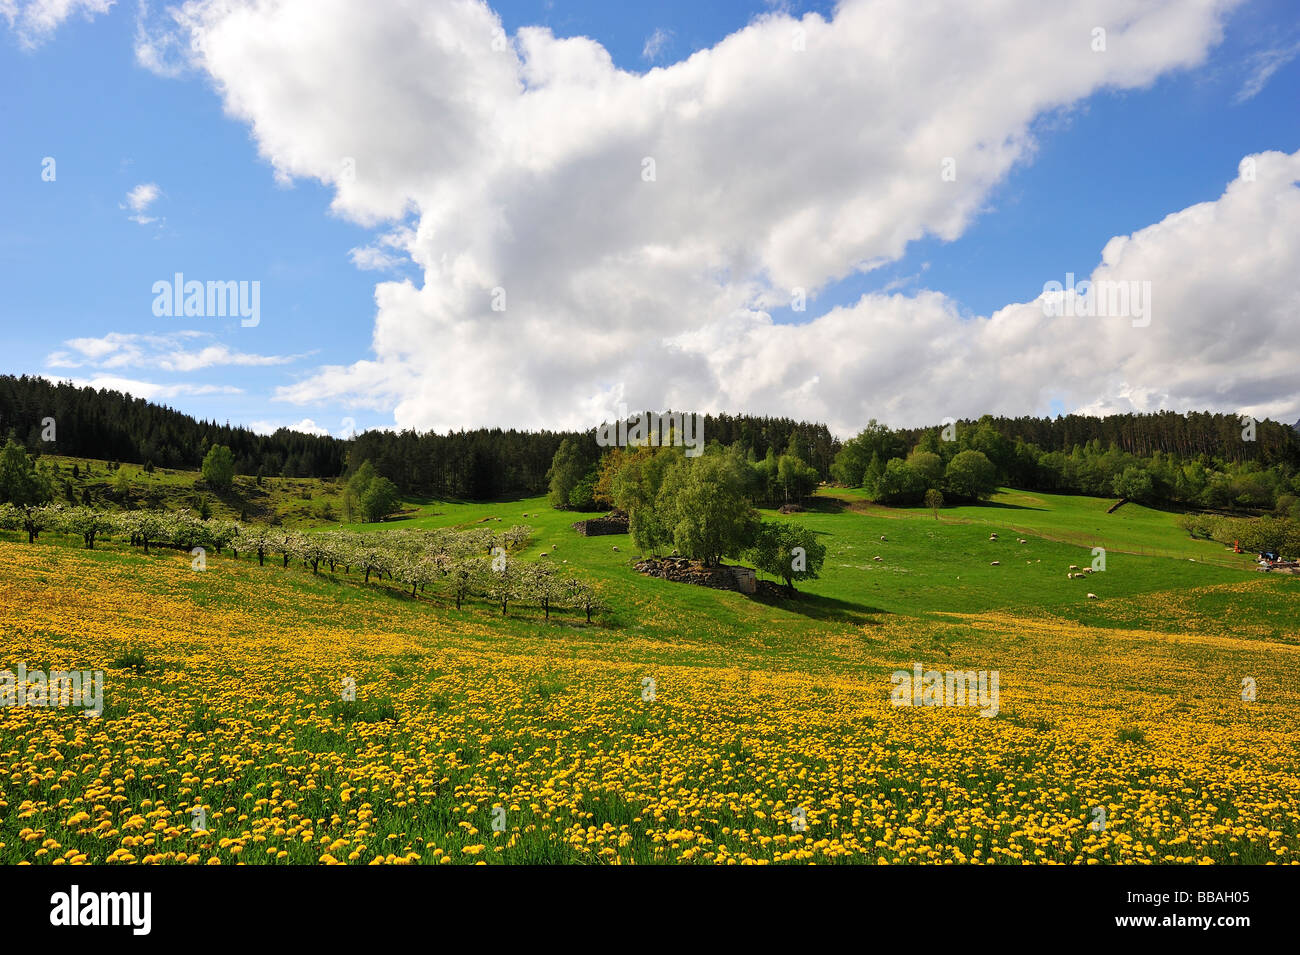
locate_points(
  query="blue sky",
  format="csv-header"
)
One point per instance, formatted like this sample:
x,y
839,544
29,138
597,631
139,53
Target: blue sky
x,y
76,265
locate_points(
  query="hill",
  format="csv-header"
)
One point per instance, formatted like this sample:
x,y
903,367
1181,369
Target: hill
x,y
685,725
292,502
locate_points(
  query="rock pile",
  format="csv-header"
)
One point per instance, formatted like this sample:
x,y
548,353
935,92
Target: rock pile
x,y
615,522
686,571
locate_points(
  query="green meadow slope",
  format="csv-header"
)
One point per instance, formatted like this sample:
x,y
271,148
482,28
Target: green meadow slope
x,y
925,567
683,725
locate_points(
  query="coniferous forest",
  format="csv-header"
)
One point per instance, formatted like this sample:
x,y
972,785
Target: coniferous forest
x,y
1198,459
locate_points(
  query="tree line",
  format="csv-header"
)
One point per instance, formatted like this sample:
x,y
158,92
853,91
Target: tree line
x,y
112,426
1250,468
1196,458
1270,534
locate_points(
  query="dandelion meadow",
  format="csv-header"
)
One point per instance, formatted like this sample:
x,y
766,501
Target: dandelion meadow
x,y
471,737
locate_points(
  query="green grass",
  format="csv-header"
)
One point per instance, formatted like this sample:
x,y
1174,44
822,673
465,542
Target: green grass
x,y
927,566
776,688
292,502
1068,518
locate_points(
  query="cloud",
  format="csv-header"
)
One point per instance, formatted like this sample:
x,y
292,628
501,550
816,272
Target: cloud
x,y
167,352
34,21
138,201
375,260
655,43
1261,67
148,390
1220,335
640,228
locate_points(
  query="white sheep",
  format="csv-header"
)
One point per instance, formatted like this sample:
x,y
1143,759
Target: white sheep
x,y
877,558
995,563
1074,566
616,548
993,537
1092,596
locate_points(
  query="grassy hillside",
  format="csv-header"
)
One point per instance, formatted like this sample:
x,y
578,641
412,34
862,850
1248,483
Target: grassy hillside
x,y
926,566
293,502
760,714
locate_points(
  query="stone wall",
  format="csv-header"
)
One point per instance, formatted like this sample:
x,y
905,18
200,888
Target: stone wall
x,y
615,522
683,570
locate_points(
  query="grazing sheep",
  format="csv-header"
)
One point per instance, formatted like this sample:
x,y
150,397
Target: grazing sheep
x,y
877,558
993,537
1069,576
616,548
553,546
564,562
1092,596
1087,570
995,563
1074,566
1019,540
882,536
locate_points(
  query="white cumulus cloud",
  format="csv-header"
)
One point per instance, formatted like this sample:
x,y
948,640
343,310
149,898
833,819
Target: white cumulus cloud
x,y
639,228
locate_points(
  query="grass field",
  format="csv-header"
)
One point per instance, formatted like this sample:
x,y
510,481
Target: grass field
x,y
767,734
291,502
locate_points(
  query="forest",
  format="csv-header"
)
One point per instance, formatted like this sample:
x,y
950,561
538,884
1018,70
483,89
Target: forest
x,y
1194,459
